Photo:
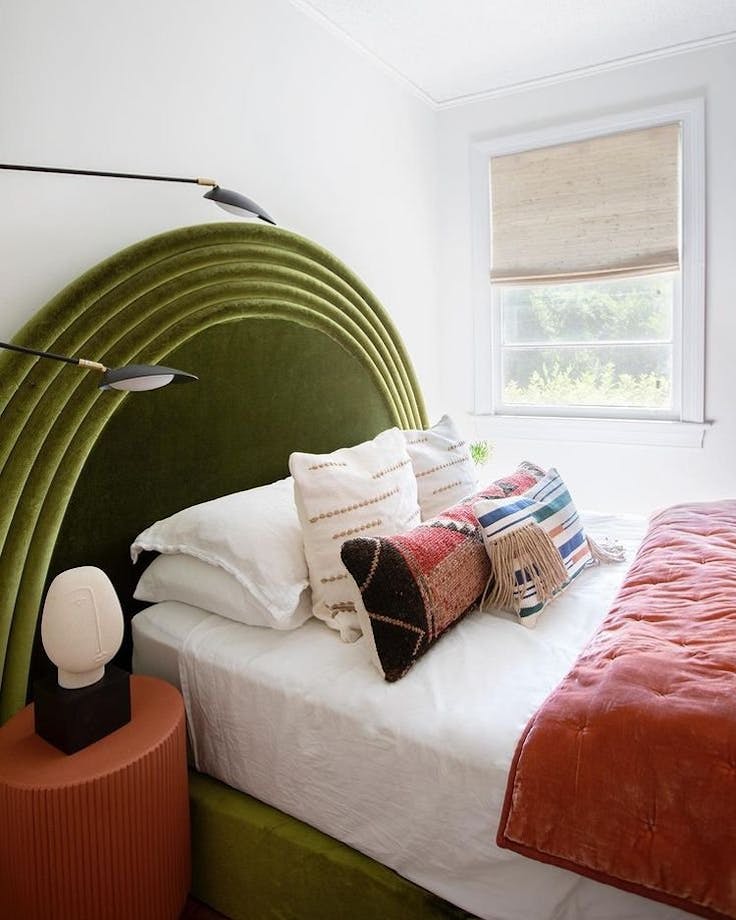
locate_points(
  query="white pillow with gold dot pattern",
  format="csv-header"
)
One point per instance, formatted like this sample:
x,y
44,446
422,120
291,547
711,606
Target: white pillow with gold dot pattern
x,y
367,490
443,467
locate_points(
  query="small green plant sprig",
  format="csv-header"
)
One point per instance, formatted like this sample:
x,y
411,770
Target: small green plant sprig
x,y
480,451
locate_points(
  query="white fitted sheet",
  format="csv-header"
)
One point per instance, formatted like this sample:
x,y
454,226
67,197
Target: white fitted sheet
x,y
159,633
413,773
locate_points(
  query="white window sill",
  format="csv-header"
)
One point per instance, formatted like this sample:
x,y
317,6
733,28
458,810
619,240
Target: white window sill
x,y
593,430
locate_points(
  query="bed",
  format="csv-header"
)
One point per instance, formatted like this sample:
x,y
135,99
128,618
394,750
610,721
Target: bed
x,y
412,773
293,352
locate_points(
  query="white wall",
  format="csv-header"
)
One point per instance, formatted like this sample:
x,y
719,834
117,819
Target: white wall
x,y
262,97
252,92
614,476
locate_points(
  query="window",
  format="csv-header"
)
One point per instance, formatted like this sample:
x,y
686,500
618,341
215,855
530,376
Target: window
x,y
590,290
599,348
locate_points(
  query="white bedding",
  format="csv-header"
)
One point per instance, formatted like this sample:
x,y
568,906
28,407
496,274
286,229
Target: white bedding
x,y
412,773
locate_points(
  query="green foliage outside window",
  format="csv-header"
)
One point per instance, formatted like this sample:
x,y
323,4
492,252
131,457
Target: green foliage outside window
x,y
602,386
622,350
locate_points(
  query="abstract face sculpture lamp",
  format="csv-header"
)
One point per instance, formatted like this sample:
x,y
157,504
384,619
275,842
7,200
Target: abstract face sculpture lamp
x,y
133,377
230,201
81,631
81,625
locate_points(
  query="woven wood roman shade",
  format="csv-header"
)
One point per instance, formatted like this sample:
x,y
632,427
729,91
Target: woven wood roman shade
x,y
603,207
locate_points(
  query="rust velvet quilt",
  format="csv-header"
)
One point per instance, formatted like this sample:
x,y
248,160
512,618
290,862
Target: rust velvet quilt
x,y
627,773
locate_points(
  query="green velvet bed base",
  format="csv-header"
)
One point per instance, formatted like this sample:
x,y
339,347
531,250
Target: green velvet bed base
x,y
253,862
293,352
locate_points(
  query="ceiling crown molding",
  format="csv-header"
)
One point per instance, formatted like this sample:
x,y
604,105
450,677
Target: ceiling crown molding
x,y
564,76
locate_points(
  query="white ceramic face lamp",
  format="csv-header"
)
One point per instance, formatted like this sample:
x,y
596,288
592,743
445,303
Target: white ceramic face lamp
x,y
81,625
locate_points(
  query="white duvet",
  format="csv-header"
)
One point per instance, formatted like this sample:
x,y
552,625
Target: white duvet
x,y
413,773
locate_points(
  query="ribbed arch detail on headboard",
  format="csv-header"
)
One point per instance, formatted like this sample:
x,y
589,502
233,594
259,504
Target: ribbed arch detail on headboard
x,y
137,307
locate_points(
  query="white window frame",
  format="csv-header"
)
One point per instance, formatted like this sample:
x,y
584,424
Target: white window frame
x,y
689,313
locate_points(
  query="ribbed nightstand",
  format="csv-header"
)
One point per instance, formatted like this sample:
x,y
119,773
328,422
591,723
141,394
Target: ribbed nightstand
x,y
102,834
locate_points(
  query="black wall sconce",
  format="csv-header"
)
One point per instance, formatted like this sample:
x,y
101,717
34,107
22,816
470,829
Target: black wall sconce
x,y
133,377
230,201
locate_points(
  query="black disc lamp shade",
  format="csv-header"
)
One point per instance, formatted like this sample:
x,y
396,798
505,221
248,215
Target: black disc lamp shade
x,y
237,204
142,377
134,377
230,201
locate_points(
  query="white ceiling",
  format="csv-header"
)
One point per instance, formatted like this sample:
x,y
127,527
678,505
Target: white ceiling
x,y
454,50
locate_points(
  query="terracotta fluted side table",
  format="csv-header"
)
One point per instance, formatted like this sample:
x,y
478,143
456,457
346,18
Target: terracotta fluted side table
x,y
102,834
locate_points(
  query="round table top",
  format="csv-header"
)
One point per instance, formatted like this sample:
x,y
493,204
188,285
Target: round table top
x,y
26,760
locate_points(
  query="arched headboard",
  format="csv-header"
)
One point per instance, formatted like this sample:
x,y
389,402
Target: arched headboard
x,y
293,353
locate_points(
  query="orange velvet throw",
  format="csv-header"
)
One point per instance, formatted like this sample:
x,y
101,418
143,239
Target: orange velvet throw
x,y
627,773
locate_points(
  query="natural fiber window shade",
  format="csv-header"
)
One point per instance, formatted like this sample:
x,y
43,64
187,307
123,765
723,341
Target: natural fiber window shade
x,y
595,208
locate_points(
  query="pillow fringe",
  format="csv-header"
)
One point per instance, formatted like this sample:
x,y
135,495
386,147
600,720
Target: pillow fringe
x,y
529,551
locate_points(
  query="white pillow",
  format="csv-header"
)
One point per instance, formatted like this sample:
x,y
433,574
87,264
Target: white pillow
x,y
367,490
443,466
186,579
254,535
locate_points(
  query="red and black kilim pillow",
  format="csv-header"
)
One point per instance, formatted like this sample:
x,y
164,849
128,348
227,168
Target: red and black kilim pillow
x,y
416,585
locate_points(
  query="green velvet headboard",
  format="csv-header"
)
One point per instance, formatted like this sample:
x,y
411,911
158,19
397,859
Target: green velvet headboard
x,y
293,353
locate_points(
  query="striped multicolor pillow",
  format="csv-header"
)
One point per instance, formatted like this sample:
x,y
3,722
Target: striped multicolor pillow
x,y
536,544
